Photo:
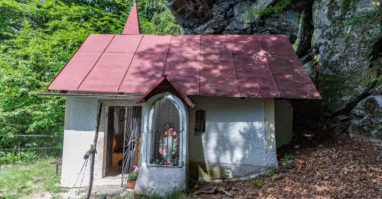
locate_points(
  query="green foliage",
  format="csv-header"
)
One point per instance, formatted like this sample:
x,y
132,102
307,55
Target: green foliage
x,y
273,172
22,157
226,173
133,176
156,18
256,183
37,38
278,7
288,157
378,80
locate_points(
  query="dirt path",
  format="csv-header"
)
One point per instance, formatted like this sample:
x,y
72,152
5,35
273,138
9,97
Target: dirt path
x,y
339,168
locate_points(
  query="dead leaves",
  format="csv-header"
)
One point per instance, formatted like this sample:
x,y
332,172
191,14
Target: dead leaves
x,y
213,190
345,168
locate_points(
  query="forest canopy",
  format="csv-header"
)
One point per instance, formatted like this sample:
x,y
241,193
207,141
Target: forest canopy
x,y
37,37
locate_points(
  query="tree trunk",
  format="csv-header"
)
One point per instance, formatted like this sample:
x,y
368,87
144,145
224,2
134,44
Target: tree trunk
x,y
93,151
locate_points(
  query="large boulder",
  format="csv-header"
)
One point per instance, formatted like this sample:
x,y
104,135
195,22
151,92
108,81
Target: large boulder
x,y
342,50
347,42
367,117
246,17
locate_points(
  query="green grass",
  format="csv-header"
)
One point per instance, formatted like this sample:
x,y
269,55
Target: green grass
x,y
272,172
288,157
23,180
257,183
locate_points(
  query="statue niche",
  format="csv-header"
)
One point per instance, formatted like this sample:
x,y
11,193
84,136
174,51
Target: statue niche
x,y
165,137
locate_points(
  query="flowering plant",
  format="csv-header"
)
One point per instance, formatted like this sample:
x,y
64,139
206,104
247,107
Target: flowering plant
x,y
161,161
136,169
133,176
170,132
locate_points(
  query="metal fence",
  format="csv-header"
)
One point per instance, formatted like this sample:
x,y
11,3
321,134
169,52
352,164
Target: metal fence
x,y
50,145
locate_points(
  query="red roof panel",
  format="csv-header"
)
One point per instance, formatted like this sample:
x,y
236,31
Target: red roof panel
x,y
292,79
148,64
184,69
95,43
108,73
74,72
215,44
218,76
254,77
178,44
154,44
277,45
245,44
124,43
144,71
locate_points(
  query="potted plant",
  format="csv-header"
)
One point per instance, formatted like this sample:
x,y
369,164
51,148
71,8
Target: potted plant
x,y
132,178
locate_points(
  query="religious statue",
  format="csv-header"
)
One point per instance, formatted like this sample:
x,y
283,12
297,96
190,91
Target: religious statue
x,y
168,143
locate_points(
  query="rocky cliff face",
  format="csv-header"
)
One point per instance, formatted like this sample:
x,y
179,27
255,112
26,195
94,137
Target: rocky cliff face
x,y
339,42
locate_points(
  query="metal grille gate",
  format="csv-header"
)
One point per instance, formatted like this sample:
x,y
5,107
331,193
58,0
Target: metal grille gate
x,y
132,132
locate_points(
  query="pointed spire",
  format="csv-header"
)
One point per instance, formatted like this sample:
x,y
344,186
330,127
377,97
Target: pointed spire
x,y
132,23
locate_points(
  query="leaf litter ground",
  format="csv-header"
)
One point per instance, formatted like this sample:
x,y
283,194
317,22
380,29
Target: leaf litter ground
x,y
339,167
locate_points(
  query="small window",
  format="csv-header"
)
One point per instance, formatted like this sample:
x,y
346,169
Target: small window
x,y
200,121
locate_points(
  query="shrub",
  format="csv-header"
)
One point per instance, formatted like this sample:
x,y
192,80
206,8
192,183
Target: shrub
x,y
132,176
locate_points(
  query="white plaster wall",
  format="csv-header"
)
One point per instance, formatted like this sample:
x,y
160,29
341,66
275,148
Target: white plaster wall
x,y
234,139
79,131
284,122
76,144
80,125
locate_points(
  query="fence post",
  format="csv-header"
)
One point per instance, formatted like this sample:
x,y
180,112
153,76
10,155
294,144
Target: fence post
x,y
18,150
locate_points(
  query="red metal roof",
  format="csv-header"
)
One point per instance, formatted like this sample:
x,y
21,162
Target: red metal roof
x,y
257,66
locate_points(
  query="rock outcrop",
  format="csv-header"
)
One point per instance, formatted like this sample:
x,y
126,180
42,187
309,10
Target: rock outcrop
x,y
367,117
339,42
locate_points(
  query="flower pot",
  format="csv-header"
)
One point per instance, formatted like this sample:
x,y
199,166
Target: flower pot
x,y
131,184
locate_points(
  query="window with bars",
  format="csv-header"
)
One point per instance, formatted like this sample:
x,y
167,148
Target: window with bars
x,y
200,121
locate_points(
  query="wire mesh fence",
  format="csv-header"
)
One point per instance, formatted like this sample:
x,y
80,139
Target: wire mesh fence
x,y
15,148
